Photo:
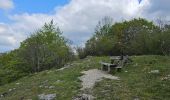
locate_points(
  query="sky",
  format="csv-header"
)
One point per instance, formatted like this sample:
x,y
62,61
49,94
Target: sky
x,y
76,18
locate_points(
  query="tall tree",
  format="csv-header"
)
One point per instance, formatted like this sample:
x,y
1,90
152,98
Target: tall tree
x,y
46,48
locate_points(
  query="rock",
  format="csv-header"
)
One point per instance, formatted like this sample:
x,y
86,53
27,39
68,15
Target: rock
x,y
10,90
51,87
17,83
47,97
166,78
40,86
58,81
154,71
83,97
64,67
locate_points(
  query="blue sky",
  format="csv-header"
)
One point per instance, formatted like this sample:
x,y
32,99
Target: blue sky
x,y
37,6
76,18
31,6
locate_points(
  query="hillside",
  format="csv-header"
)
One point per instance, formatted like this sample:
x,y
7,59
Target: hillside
x,y
147,77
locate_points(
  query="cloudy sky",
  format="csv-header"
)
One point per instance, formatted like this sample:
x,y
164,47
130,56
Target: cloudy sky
x,y
76,18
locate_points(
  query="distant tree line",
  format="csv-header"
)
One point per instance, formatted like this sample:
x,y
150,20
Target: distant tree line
x,y
44,49
134,37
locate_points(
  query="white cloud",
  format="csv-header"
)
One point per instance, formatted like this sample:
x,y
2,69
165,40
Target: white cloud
x,y
7,37
6,4
78,18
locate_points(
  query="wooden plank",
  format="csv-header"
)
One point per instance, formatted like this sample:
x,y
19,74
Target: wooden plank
x,y
110,67
107,64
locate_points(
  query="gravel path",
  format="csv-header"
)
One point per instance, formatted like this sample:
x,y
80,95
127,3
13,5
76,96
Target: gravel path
x,y
91,76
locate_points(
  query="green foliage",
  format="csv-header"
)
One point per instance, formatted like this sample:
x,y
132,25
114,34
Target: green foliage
x,y
81,52
44,49
134,37
11,67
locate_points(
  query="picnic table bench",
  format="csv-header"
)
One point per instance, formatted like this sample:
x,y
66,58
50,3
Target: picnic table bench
x,y
117,62
110,67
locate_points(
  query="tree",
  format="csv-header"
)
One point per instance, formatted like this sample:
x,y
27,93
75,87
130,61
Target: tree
x,y
45,49
137,36
92,46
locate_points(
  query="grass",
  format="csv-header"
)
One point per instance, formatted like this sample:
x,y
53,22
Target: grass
x,y
65,83
135,81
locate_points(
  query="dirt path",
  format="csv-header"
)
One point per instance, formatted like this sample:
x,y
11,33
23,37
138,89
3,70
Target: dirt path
x,y
90,77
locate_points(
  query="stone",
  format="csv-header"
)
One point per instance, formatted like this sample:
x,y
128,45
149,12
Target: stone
x,y
83,97
166,78
10,90
154,71
51,87
47,97
17,83
58,81
40,86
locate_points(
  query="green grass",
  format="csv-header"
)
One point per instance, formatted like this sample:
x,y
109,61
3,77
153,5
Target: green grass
x,y
137,82
65,83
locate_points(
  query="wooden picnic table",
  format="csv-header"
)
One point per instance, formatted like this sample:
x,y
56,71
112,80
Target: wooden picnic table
x,y
117,62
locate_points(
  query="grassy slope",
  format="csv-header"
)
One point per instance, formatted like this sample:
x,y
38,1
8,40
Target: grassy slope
x,y
136,83
66,82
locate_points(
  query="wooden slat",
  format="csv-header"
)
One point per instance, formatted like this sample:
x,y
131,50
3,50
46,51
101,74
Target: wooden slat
x,y
107,64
